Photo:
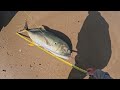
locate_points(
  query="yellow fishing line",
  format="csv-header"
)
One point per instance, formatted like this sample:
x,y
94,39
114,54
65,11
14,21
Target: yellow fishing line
x,y
60,59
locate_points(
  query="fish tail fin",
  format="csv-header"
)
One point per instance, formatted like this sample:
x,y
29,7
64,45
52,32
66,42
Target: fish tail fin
x,y
25,27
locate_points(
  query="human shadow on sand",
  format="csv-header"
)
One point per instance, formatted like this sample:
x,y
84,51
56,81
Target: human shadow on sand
x,y
5,17
94,45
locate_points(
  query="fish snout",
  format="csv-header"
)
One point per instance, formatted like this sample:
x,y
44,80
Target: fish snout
x,y
67,51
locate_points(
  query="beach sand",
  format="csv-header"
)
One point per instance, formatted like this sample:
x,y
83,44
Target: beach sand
x,y
94,35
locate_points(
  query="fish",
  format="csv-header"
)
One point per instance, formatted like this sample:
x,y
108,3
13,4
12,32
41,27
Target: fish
x,y
49,41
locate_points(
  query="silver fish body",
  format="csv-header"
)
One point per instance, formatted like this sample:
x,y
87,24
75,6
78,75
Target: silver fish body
x,y
50,42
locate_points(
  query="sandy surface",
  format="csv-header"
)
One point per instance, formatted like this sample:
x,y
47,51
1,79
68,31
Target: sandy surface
x,y
98,47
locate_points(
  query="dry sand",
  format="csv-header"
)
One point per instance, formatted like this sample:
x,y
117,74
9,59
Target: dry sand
x,y
98,47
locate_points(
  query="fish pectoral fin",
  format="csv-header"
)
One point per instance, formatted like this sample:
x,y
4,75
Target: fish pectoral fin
x,y
47,42
31,44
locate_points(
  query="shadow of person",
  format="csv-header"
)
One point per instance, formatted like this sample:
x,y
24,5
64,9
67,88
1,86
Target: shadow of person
x,y
94,45
5,17
60,35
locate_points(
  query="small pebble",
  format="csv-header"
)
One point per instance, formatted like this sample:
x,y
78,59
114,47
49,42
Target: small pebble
x,y
30,65
10,66
20,50
7,53
4,70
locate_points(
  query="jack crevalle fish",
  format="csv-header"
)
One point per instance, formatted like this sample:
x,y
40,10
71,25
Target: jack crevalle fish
x,y
49,41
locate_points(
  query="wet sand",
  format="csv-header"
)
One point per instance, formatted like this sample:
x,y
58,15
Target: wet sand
x,y
94,35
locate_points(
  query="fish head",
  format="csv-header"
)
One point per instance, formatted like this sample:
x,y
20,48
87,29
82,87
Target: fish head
x,y
62,49
65,50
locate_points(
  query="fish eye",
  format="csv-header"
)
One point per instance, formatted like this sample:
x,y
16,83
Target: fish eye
x,y
55,42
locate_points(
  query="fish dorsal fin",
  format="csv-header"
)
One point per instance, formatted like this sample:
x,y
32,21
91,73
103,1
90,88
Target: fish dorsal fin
x,y
42,28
